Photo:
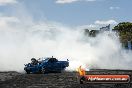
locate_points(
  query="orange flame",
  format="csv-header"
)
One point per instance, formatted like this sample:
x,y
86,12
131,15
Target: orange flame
x,y
81,71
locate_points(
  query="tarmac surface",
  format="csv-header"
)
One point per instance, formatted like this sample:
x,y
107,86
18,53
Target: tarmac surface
x,y
14,79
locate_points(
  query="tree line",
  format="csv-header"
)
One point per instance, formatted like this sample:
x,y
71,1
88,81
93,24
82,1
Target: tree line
x,y
124,30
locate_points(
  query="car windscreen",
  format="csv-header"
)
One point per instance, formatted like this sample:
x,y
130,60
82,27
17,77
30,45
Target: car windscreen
x,y
46,60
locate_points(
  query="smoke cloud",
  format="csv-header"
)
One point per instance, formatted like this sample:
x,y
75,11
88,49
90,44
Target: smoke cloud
x,y
22,38
18,44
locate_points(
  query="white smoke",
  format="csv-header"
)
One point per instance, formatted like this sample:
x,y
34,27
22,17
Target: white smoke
x,y
22,38
18,44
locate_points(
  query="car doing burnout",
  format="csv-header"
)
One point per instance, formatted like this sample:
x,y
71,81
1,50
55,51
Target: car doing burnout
x,y
45,65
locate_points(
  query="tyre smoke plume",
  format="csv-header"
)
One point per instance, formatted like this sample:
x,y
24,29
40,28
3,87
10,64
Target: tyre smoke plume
x,y
21,38
18,44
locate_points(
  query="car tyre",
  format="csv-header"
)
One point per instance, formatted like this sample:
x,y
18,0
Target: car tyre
x,y
28,72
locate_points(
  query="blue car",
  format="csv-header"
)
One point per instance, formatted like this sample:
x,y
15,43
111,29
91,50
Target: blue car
x,y
45,65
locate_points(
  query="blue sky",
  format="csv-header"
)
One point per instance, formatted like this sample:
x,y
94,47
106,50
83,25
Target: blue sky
x,y
71,12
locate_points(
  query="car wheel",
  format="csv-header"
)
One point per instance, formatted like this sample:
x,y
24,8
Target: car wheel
x,y
28,72
43,70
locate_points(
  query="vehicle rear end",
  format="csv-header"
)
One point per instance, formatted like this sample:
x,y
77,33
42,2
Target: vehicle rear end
x,y
64,64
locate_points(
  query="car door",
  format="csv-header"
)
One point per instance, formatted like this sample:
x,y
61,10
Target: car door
x,y
50,65
56,65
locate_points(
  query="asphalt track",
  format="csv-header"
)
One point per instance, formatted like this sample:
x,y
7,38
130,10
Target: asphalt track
x,y
14,79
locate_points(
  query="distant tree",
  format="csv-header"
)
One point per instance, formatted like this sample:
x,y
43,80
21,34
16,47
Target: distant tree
x,y
86,32
91,33
124,30
123,27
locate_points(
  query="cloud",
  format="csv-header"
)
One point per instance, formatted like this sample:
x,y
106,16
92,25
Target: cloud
x,y
70,1
65,1
97,25
114,8
90,0
4,2
105,22
90,26
6,20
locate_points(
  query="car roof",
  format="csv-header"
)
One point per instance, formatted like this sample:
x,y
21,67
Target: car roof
x,y
46,58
